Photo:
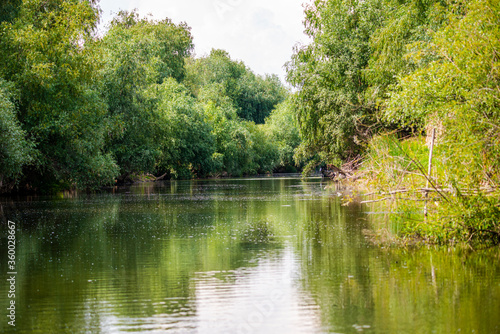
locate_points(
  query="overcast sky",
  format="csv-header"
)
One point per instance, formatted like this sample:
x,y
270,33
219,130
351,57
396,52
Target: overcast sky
x,y
261,33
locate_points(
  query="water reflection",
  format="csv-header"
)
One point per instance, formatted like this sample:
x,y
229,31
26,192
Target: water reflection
x,y
232,256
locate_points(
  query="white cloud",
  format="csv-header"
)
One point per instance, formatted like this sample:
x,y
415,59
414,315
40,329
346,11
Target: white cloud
x,y
261,33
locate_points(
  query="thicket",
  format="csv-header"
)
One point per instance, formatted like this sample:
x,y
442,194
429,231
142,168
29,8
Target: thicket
x,y
79,110
379,77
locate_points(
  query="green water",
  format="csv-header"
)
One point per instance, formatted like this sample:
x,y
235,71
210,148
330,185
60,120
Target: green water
x,y
232,256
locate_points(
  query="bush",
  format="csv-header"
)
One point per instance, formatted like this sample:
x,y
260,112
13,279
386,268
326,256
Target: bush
x,y
15,150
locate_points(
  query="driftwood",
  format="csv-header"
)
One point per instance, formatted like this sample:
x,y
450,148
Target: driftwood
x,y
332,172
161,177
464,192
344,172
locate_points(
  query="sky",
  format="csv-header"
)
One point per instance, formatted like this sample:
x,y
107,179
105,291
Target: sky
x,y
261,33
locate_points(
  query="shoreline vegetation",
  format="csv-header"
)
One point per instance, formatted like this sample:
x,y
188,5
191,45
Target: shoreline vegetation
x,y
377,80
420,207
81,111
400,98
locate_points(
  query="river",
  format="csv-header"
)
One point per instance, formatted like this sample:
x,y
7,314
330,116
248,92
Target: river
x,y
267,255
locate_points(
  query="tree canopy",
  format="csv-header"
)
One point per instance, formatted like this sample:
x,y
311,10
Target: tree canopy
x,y
378,74
252,96
78,110
345,76
333,112
48,54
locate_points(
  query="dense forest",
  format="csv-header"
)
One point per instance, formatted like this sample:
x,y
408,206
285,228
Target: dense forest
x,y
381,79
384,83
80,111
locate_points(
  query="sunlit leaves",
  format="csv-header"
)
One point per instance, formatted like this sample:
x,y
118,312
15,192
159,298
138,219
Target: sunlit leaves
x,y
138,54
252,96
48,54
460,90
333,114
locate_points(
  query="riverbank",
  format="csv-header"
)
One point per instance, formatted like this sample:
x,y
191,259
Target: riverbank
x,y
425,204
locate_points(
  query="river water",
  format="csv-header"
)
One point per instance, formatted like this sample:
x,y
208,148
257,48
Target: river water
x,y
271,255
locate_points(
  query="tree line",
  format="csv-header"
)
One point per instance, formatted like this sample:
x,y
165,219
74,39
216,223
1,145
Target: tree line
x,y
80,111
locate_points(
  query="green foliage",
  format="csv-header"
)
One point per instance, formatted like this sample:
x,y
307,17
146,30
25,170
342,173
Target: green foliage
x,y
464,219
408,66
347,75
180,131
48,54
397,170
161,128
333,114
263,151
391,163
284,132
241,147
458,93
144,51
233,100
216,68
139,53
90,110
258,96
15,150
214,96
252,96
9,9
405,26
231,141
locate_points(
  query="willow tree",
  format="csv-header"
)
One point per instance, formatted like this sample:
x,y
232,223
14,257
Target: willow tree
x,y
406,26
180,131
139,52
252,96
459,90
333,114
16,151
47,52
284,133
346,75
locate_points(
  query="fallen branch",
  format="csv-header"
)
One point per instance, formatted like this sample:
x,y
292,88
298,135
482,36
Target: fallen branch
x,y
376,200
161,177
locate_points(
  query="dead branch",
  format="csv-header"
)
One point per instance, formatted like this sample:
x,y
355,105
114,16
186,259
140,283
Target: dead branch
x,y
161,177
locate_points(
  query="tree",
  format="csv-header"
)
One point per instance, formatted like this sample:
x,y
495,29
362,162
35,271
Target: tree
x,y
48,54
16,150
407,26
454,89
216,68
284,132
334,114
252,96
231,138
180,131
241,147
459,89
139,53
258,96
